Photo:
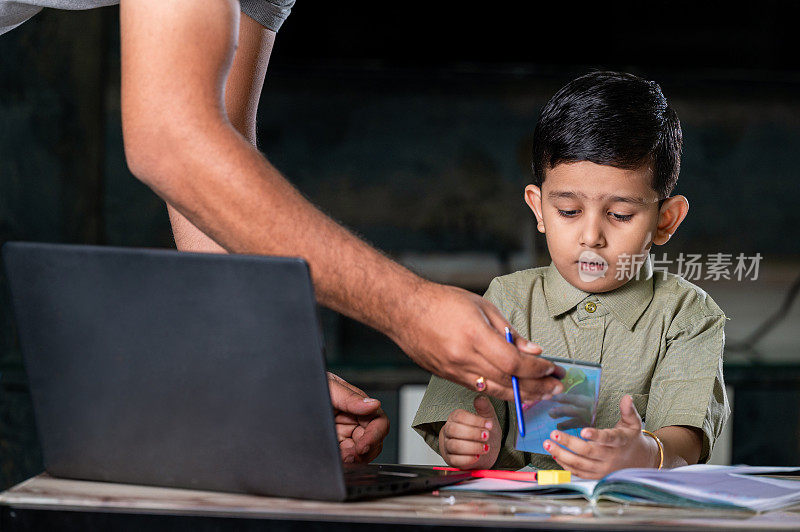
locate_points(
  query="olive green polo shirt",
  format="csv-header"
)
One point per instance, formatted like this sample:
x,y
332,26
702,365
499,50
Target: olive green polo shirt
x,y
658,338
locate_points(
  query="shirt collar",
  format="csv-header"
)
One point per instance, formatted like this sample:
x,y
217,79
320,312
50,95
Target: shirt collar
x,y
627,303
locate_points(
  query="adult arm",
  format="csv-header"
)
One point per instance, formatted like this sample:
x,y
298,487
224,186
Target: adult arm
x,y
361,424
179,140
242,92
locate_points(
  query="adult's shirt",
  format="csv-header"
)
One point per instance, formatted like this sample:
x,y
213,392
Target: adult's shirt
x,y
268,13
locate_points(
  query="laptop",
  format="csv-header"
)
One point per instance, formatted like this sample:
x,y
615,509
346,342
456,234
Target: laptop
x,y
185,370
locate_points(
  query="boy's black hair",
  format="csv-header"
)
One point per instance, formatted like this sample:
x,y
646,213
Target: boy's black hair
x,y
610,118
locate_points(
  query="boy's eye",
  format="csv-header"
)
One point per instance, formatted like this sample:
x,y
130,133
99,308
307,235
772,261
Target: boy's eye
x,y
567,214
621,217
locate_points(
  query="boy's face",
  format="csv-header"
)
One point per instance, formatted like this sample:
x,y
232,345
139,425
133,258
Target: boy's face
x,y
594,216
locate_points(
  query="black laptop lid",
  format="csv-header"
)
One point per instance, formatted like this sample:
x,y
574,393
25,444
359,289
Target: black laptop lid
x,y
176,369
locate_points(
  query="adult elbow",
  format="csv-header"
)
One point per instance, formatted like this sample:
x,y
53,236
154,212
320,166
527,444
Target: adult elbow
x,y
148,154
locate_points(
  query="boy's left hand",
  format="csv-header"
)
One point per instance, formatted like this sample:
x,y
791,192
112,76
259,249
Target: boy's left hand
x,y
605,450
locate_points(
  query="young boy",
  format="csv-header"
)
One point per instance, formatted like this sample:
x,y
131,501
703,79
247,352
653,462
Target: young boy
x,y
606,156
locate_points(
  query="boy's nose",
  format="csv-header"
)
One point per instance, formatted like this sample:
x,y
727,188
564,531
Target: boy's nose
x,y
592,235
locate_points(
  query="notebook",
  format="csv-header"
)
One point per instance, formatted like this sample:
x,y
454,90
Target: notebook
x,y
705,486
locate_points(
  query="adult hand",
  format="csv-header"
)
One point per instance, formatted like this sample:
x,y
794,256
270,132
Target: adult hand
x,y
603,451
361,425
459,336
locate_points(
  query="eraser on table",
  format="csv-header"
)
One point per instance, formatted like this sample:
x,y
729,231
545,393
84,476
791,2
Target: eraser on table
x,y
553,476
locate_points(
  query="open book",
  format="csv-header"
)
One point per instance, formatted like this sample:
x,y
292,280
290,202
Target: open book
x,y
707,486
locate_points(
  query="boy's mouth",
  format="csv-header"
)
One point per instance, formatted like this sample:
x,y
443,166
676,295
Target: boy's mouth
x,y
591,266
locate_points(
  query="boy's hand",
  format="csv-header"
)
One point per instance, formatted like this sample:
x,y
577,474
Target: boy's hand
x,y
606,450
470,441
577,408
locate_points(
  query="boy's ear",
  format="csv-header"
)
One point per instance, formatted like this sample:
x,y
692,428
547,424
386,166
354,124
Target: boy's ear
x,y
672,213
533,197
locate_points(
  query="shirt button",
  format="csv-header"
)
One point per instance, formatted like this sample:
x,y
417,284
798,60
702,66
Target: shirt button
x,y
590,307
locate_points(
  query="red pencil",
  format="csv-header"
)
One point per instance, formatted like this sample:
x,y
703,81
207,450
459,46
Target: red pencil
x,y
525,476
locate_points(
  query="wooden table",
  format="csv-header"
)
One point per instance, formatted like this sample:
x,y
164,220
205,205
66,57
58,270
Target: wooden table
x,y
46,503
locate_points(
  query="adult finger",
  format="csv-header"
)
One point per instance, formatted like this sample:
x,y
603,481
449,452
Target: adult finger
x,y
506,357
491,386
344,431
370,455
347,450
345,418
539,389
523,344
347,400
505,360
346,384
531,390
527,347
559,373
373,434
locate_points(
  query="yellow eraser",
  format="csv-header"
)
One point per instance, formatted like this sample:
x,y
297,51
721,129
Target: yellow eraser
x,y
553,476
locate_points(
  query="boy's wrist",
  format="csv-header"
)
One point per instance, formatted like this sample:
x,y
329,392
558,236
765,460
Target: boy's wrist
x,y
653,451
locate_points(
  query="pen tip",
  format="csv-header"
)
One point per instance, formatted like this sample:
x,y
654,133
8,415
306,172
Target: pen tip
x,y
508,330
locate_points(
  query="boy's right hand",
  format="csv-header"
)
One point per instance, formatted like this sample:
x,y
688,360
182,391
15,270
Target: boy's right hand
x,y
470,441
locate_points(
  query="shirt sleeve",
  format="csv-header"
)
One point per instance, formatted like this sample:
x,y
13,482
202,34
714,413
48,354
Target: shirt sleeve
x,y
687,387
269,13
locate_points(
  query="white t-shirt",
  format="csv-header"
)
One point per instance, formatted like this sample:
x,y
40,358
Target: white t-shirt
x,y
269,13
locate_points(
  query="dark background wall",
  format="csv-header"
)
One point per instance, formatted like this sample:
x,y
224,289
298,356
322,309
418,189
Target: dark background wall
x,y
411,125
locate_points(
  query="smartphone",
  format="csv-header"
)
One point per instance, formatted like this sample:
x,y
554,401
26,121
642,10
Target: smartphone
x,y
569,411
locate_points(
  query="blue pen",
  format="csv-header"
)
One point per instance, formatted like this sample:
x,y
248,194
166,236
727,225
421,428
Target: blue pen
x,y
517,401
